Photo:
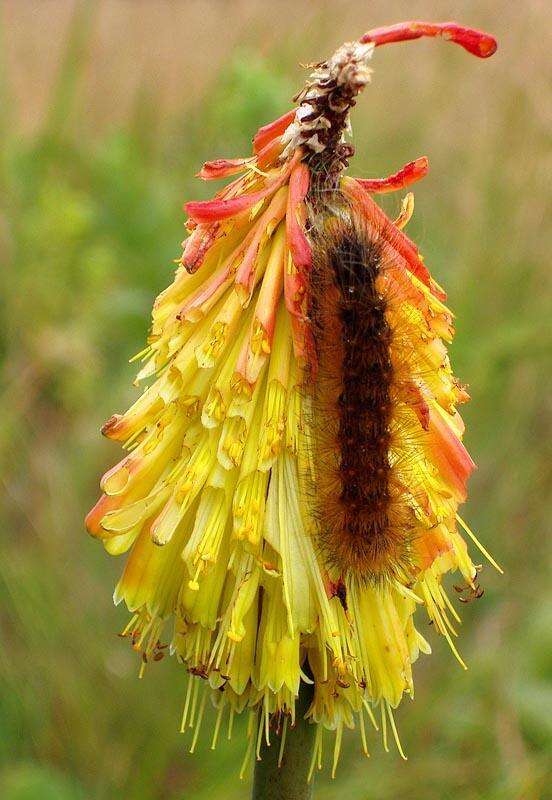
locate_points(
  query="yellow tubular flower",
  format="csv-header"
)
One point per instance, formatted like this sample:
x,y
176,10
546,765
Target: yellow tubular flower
x,y
290,495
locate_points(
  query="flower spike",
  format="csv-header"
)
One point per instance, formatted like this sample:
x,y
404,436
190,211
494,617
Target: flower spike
x,y
289,499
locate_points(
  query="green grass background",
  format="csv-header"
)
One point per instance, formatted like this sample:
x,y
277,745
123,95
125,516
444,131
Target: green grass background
x,y
108,109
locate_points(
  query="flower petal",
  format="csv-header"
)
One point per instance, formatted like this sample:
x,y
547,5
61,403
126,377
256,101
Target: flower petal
x,y
295,217
270,131
222,168
410,173
476,42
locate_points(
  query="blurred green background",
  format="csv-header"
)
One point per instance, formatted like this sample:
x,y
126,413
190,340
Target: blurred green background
x,y
108,110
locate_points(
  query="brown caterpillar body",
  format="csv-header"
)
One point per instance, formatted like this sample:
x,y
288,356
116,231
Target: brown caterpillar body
x,y
363,525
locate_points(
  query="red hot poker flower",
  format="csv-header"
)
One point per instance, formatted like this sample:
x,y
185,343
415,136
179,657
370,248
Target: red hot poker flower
x,y
290,494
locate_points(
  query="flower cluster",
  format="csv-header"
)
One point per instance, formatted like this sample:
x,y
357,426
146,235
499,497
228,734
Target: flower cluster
x,y
210,499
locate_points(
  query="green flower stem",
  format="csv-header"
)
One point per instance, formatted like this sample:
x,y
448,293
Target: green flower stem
x,y
289,780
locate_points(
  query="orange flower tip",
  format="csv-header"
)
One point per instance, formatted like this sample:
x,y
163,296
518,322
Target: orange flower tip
x,y
480,44
243,292
197,245
416,399
115,480
462,395
476,42
268,155
453,457
222,168
410,173
92,519
437,291
108,428
267,133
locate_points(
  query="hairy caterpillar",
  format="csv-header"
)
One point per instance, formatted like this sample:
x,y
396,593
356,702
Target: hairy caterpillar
x,y
363,524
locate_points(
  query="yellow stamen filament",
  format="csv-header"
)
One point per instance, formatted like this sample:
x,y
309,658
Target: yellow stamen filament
x,y
480,547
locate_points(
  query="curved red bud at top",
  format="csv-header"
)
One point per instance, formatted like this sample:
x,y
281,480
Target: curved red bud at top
x,y
476,42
